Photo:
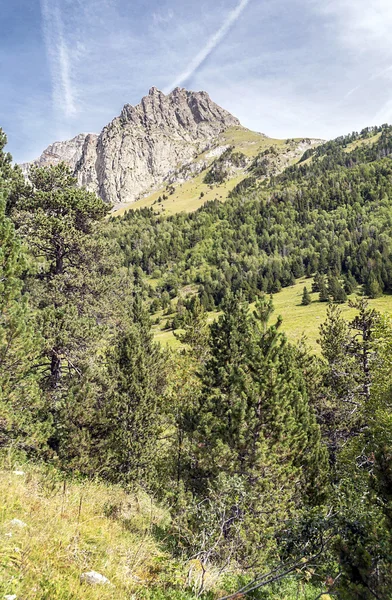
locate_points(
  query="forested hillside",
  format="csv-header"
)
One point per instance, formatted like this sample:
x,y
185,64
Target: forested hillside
x,y
266,468
331,215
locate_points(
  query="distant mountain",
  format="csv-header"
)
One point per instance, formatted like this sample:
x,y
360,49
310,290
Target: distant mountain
x,y
69,151
166,139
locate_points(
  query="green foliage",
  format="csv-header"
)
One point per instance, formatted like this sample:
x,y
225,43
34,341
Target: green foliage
x,y
253,441
328,216
22,422
133,414
271,460
306,299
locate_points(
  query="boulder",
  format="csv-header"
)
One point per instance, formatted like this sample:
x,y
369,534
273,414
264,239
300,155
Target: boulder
x,y
18,523
94,578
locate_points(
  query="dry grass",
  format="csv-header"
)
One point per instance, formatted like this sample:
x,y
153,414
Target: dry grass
x,y
72,528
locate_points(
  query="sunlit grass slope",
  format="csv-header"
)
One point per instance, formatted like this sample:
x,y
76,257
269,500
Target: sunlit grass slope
x,y
298,320
192,194
73,528
51,532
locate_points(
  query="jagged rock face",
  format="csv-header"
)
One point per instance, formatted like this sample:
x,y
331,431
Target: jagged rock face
x,y
143,147
146,143
69,152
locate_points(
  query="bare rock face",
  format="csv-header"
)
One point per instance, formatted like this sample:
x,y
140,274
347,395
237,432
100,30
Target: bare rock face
x,y
69,152
144,146
138,149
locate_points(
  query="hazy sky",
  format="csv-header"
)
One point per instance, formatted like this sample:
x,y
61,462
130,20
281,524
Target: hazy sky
x,y
284,67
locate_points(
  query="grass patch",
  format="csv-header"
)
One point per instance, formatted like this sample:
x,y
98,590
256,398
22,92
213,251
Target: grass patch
x,y
298,320
363,142
72,528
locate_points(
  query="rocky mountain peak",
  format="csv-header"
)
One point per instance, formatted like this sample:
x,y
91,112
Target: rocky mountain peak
x,y
142,146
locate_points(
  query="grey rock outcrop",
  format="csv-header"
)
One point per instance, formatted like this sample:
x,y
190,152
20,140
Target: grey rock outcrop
x,y
138,149
69,151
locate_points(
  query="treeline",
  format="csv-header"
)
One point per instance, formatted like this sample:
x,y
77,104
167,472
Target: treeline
x,y
331,215
273,463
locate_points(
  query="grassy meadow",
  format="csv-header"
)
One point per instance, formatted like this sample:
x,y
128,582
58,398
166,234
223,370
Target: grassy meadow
x,y
298,321
52,530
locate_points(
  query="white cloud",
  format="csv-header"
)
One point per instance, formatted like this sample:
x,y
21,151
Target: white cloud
x,y
213,43
363,25
59,58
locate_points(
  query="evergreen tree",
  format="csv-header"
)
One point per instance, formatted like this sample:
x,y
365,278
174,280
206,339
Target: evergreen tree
x,y
133,411
372,287
340,295
253,429
350,283
57,220
23,422
316,282
347,349
306,299
196,332
323,295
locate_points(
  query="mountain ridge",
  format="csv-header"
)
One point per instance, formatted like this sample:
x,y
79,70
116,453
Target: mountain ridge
x,y
141,146
163,140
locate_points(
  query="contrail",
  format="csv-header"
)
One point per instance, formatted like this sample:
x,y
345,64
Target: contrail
x,y
216,39
58,56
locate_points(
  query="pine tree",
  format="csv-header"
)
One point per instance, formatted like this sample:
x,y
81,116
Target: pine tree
x,y
196,332
306,299
347,349
372,287
340,295
350,283
133,413
323,295
283,411
253,391
57,220
316,282
254,432
23,422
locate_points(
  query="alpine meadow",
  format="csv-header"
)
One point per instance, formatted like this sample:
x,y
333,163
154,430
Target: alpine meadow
x,y
195,358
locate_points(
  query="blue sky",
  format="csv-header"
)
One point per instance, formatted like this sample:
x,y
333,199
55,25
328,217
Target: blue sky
x,y
284,67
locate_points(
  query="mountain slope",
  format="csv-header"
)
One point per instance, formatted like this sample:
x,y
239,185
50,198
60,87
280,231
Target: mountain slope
x,y
328,214
236,149
165,141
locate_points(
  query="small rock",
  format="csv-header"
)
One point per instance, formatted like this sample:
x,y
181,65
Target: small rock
x,y
18,523
10,597
19,473
94,578
8,534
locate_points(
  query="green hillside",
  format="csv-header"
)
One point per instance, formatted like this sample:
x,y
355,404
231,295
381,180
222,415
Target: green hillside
x,y
298,321
246,465
193,193
53,529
